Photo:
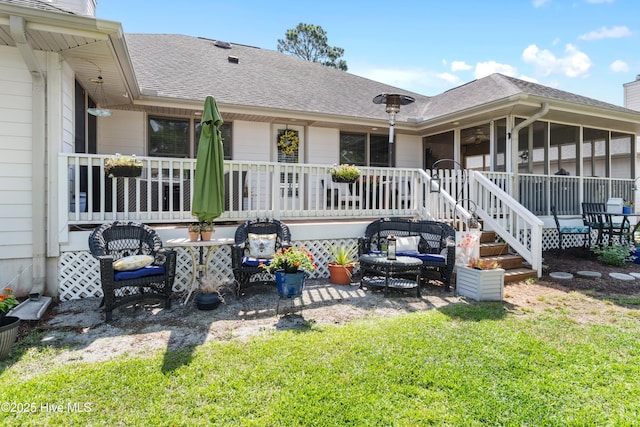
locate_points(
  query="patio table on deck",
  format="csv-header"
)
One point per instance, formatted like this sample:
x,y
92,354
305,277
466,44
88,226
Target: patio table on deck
x,y
198,260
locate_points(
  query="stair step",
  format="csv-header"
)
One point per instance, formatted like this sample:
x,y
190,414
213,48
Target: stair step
x,y
490,249
507,262
519,274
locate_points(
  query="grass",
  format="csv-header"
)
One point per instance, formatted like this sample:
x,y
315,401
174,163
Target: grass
x,y
471,365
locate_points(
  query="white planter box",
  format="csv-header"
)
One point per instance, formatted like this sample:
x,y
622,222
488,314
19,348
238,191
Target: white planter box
x,y
480,285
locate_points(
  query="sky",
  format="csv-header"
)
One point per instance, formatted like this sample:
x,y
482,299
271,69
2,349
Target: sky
x,y
587,47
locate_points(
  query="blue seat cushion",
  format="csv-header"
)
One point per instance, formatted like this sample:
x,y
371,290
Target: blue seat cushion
x,y
149,270
426,257
255,262
574,229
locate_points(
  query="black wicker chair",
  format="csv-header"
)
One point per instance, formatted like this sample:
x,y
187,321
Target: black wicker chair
x,y
244,266
120,239
434,243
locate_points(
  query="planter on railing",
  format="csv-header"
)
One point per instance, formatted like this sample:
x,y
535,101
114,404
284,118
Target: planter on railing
x,y
125,172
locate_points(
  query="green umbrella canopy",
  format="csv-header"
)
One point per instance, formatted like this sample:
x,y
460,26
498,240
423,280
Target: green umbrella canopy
x,y
208,188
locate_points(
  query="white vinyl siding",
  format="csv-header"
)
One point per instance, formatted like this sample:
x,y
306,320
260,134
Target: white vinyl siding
x,y
15,156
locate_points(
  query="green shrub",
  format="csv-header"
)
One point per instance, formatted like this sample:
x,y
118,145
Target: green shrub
x,y
616,255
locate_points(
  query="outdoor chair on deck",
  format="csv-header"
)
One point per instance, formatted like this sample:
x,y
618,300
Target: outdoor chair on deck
x,y
568,230
255,243
133,264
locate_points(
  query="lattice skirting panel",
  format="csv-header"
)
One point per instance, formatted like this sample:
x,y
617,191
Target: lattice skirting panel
x,y
550,239
79,274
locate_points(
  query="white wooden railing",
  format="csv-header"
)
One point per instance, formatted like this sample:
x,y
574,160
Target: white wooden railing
x,y
500,212
539,193
253,189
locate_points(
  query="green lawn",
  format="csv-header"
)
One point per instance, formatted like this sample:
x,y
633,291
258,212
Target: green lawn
x,y
463,365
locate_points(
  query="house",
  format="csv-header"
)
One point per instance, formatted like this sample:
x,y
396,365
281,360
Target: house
x,y
525,146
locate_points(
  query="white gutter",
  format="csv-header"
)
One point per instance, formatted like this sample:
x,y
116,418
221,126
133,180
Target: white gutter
x,y
38,144
514,146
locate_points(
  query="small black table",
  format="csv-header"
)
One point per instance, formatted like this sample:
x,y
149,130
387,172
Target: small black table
x,y
377,270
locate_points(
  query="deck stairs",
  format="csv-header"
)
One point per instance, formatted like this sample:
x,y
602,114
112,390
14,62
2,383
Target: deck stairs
x,y
492,249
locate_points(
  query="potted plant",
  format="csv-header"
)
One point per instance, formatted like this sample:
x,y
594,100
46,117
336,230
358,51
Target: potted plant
x,y
206,229
8,324
627,208
123,166
210,295
344,173
480,279
290,266
194,232
341,268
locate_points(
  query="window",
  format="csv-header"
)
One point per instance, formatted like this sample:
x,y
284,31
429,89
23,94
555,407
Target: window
x,y
225,132
168,137
353,149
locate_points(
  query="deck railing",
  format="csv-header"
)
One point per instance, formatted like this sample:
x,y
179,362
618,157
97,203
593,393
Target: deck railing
x,y
163,192
539,193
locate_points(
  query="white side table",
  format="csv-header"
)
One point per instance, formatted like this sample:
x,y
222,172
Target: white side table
x,y
198,260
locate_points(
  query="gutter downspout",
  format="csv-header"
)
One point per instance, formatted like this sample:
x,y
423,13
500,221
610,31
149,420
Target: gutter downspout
x,y
38,149
514,146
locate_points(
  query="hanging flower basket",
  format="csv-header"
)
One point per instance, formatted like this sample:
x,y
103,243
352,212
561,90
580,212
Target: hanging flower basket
x,y
125,172
345,174
120,166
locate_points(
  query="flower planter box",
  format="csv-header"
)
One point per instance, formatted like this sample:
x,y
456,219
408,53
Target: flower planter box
x,y
344,180
480,285
125,172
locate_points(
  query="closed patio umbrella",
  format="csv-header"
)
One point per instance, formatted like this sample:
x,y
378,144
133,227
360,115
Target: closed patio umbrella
x,y
208,189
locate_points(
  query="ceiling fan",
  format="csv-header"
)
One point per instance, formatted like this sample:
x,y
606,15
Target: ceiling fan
x,y
477,137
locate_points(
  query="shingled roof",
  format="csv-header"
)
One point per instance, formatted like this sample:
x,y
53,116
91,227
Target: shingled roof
x,y
184,67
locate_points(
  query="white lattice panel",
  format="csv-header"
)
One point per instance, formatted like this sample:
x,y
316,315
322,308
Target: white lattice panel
x,y
79,275
550,239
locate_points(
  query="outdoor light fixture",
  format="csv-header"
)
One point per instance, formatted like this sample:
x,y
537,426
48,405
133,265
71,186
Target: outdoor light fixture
x,y
474,221
435,179
393,101
100,98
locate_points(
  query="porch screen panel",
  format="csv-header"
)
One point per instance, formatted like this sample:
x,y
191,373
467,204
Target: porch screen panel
x,y
563,151
500,157
621,159
594,152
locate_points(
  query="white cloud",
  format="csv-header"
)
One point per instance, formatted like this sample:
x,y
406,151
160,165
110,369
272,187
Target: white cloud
x,y
619,66
460,66
574,64
540,3
607,33
449,78
484,69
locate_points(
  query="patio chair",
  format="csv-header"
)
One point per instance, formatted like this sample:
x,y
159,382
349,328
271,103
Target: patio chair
x,y
568,230
255,242
133,264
